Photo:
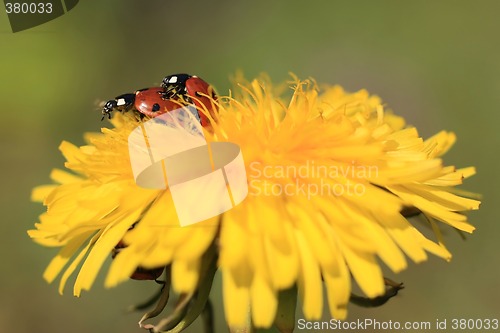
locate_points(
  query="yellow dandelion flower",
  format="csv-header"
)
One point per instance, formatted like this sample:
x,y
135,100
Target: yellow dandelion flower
x,y
332,178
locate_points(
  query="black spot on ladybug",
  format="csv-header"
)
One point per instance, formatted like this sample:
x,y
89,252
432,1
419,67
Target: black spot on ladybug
x,y
156,107
197,94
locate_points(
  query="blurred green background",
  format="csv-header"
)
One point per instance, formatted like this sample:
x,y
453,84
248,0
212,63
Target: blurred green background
x,y
435,62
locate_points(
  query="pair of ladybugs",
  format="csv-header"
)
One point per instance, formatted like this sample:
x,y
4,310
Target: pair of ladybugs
x,y
152,102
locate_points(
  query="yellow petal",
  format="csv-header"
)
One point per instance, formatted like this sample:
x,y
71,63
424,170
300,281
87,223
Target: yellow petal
x,y
282,259
434,209
403,233
70,152
233,239
74,264
62,258
432,247
338,287
123,266
309,282
263,302
200,238
64,177
317,237
440,143
236,296
185,275
365,270
101,250
39,193
450,201
385,247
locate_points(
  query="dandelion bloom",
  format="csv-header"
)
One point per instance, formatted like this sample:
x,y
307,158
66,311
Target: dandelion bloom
x,y
331,178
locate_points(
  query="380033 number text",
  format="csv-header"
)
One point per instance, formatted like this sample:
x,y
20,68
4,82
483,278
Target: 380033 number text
x,y
474,324
28,8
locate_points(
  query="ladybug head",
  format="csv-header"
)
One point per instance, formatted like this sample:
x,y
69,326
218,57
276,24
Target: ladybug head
x,y
108,108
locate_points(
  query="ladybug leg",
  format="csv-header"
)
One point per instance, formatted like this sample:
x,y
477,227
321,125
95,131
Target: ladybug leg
x,y
121,103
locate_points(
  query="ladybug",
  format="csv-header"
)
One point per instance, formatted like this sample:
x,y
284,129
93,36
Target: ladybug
x,y
148,102
175,89
191,89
